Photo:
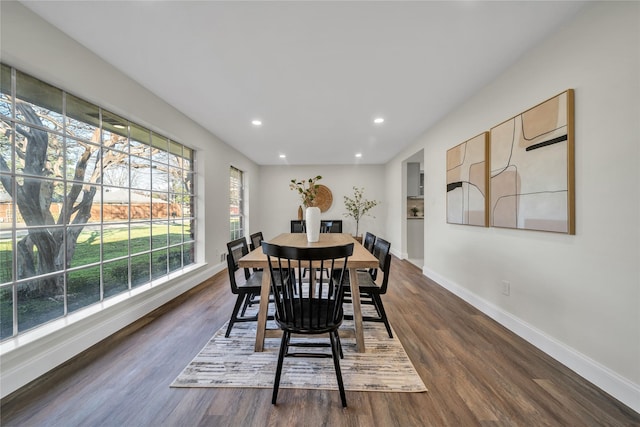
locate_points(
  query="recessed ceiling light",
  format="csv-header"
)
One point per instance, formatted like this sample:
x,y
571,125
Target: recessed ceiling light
x,y
283,156
256,122
358,155
119,126
378,120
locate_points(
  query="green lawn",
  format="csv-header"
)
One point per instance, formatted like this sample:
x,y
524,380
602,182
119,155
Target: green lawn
x,y
84,285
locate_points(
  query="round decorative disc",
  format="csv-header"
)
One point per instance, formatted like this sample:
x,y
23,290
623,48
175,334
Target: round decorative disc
x,y
324,198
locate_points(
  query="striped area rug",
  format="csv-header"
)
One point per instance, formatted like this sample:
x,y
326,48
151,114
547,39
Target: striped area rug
x,y
231,362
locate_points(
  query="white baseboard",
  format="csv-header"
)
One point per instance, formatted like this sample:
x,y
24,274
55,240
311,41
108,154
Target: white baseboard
x,y
617,386
397,253
27,357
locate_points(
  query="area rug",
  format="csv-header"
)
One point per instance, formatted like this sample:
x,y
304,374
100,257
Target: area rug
x,y
231,362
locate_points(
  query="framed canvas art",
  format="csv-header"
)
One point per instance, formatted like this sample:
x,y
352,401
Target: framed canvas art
x,y
532,168
467,182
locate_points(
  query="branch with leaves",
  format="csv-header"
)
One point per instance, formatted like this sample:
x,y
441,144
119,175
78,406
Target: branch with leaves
x,y
307,190
358,207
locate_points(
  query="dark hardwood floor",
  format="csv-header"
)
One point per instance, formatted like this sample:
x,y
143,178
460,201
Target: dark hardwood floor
x,y
478,374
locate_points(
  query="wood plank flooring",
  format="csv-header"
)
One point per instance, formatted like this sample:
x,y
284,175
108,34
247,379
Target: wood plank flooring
x,y
478,374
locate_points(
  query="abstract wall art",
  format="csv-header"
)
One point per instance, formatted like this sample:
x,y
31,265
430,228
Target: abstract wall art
x,y
532,168
467,182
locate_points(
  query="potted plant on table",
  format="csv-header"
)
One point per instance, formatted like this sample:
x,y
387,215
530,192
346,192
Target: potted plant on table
x,y
308,190
357,207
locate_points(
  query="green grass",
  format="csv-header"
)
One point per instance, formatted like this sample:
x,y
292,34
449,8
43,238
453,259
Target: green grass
x,y
83,285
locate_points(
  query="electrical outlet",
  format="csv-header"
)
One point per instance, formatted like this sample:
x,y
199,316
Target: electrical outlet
x,y
223,257
506,287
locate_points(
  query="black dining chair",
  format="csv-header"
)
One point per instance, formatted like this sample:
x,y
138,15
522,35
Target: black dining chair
x,y
370,291
308,307
298,226
369,240
255,240
245,290
248,290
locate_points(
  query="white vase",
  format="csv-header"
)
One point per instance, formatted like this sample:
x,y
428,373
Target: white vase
x,y
312,220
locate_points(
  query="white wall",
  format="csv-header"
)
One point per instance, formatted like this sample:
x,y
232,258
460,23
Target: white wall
x,y
576,297
34,47
278,204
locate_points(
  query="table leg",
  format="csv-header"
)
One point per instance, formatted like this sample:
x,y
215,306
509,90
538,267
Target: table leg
x,y
357,312
262,311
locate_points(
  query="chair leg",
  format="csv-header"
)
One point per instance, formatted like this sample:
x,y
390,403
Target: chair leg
x,y
234,314
247,303
335,342
283,349
383,315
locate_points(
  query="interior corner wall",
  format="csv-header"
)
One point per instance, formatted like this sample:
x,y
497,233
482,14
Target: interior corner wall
x,y
575,297
31,45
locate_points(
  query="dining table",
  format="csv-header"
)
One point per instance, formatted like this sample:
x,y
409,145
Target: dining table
x,y
360,259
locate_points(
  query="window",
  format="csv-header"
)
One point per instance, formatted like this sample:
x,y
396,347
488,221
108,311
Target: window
x,y
236,213
91,204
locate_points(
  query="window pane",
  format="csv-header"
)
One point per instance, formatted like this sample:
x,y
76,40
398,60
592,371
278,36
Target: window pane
x,y
115,166
43,201
140,240
115,277
83,119
115,132
83,287
83,161
88,199
140,138
39,301
158,263
41,104
6,104
115,204
115,241
176,181
117,175
140,265
159,234
140,173
87,248
46,156
175,232
6,312
175,258
175,207
160,178
175,150
159,207
188,252
6,255
140,205
38,252
161,144
187,206
6,144
189,230
6,203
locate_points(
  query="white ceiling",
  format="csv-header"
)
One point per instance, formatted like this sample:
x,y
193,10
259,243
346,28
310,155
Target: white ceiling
x,y
315,72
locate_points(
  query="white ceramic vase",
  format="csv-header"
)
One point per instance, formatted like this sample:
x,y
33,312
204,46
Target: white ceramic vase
x,y
312,219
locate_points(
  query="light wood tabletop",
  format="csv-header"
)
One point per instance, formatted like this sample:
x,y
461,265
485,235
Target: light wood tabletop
x,y
361,258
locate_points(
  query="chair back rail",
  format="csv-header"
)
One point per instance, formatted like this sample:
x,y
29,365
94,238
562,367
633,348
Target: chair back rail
x,y
312,305
382,251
